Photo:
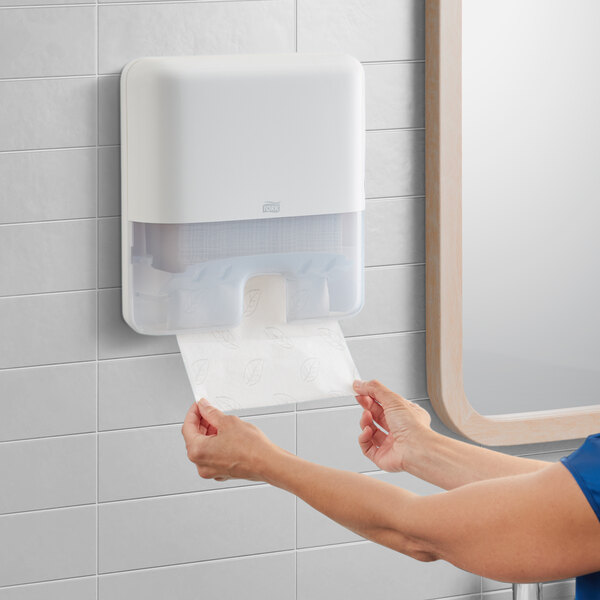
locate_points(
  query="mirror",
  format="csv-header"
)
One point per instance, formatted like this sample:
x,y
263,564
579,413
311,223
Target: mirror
x,y
513,186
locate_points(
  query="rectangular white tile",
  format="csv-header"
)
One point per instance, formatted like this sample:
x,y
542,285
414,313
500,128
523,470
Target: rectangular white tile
x,y
365,570
109,252
41,42
41,186
47,329
130,31
397,360
118,340
48,113
48,473
44,401
395,231
109,182
247,578
140,463
329,437
394,301
315,529
53,544
371,30
137,392
48,257
70,589
195,527
395,163
395,95
109,110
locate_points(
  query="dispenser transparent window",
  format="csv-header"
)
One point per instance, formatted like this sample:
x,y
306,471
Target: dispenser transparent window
x,y
192,276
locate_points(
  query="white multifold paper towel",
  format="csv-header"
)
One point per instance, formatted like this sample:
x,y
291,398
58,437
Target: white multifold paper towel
x,y
266,361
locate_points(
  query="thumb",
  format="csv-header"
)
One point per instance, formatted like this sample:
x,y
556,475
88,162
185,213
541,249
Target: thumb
x,y
212,414
379,393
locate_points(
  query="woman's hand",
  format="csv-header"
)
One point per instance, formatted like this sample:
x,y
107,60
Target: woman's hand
x,y
406,425
223,446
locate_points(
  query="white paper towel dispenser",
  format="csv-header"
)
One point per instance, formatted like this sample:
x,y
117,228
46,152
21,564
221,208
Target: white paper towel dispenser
x,y
236,166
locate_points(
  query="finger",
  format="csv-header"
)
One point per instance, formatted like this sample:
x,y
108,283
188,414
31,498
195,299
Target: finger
x,y
191,424
375,409
365,441
365,438
212,414
378,392
379,436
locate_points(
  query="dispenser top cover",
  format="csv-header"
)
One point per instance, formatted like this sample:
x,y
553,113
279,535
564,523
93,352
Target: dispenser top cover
x,y
234,166
219,138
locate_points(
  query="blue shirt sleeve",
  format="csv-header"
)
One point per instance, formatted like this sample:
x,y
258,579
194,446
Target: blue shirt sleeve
x,y
584,465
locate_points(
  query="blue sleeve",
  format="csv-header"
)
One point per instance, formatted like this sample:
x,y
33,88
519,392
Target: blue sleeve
x,y
584,465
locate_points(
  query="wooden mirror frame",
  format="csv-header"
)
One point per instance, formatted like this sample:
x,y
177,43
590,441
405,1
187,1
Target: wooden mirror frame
x,y
443,192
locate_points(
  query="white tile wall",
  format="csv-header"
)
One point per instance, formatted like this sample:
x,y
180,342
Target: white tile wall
x,y
48,113
46,401
138,392
364,570
48,473
371,30
43,186
194,527
109,182
39,42
47,329
250,578
48,257
90,411
83,588
129,31
138,463
52,544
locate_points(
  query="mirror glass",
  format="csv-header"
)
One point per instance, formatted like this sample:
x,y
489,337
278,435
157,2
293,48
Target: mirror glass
x,y
531,204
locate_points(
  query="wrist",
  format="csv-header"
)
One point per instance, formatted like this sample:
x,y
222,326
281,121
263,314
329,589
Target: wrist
x,y
420,450
273,464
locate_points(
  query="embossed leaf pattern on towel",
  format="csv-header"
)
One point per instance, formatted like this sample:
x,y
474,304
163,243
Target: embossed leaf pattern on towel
x,y
253,371
226,403
334,339
200,370
274,333
309,369
251,300
226,337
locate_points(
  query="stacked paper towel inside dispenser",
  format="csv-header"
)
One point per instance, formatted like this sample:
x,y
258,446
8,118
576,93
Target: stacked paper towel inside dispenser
x,y
237,166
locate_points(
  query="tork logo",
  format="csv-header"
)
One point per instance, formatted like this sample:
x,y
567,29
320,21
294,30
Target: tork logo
x,y
271,207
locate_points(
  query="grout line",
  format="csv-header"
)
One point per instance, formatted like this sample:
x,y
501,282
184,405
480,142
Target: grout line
x,y
198,562
47,77
97,40
107,3
55,149
44,581
46,437
48,509
36,294
71,220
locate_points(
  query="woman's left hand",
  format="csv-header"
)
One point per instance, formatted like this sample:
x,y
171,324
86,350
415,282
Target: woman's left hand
x,y
223,446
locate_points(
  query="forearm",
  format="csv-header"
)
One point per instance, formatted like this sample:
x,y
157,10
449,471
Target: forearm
x,y
373,509
450,463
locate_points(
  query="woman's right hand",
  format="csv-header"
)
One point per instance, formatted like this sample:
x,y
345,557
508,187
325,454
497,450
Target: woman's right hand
x,y
406,425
